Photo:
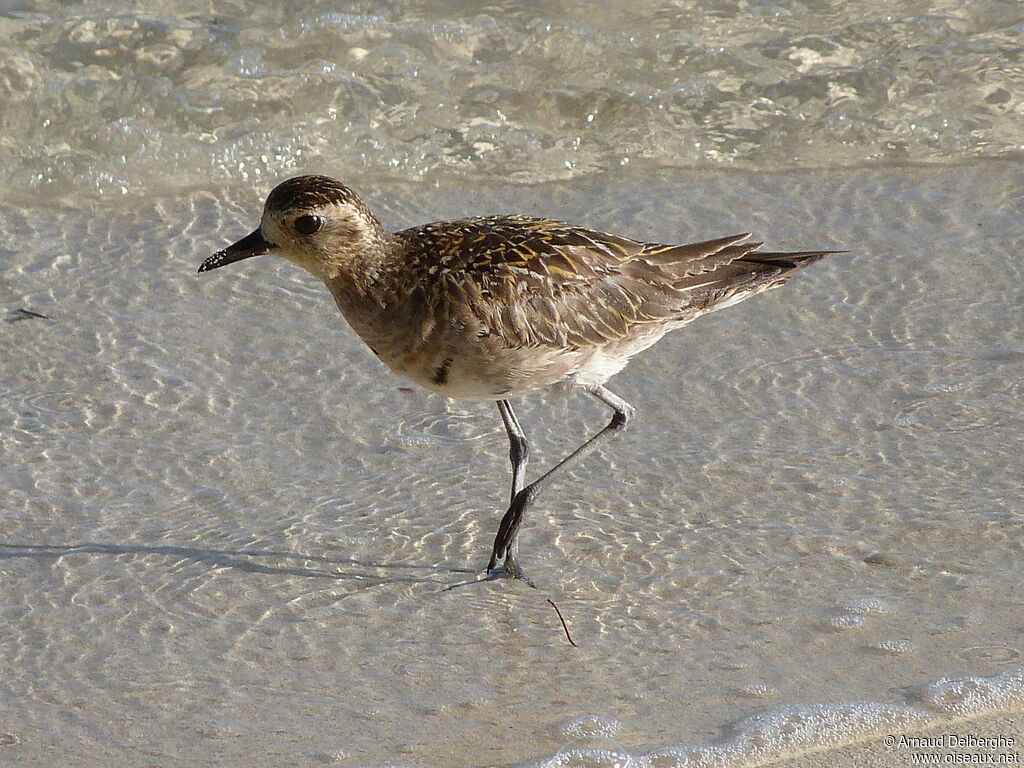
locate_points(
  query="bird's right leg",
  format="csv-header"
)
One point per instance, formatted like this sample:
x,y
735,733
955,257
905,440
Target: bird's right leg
x,y
518,454
506,542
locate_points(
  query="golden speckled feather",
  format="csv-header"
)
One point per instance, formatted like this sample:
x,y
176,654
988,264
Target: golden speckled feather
x,y
543,282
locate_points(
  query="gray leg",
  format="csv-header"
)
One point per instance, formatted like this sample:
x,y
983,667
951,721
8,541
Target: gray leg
x,y
505,543
518,449
518,454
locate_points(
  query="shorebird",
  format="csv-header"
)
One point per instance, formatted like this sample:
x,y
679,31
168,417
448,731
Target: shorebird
x,y
495,307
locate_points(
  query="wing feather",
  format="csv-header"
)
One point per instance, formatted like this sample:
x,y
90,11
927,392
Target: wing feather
x,y
541,282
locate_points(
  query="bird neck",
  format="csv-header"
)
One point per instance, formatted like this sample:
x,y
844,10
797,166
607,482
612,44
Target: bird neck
x,y
363,272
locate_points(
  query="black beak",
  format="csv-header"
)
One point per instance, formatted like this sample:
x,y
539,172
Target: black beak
x,y
251,245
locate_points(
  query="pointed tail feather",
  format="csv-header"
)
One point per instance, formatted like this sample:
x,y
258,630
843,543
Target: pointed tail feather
x,y
788,261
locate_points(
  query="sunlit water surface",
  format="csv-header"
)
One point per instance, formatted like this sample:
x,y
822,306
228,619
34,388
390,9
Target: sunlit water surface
x,y
227,533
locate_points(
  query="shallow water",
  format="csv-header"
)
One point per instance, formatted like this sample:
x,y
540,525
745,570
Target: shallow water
x,y
192,94
228,532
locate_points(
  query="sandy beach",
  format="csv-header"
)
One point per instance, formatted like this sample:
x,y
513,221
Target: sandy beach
x,y
957,742
230,537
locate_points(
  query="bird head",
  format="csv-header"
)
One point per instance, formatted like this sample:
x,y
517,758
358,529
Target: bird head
x,y
315,222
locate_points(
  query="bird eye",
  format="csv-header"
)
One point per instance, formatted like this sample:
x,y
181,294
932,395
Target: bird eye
x,y
308,225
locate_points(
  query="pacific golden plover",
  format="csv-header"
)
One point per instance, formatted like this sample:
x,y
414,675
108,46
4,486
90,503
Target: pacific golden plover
x,y
494,307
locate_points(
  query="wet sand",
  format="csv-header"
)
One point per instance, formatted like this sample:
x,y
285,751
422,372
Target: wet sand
x,y
228,531
954,738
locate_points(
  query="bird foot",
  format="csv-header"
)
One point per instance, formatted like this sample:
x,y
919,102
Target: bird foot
x,y
510,569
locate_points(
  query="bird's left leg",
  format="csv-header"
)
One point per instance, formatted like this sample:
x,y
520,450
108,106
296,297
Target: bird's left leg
x,y
505,543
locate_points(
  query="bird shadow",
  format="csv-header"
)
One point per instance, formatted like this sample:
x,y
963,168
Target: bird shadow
x,y
338,568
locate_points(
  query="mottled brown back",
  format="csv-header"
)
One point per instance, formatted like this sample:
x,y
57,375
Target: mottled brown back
x,y
541,282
